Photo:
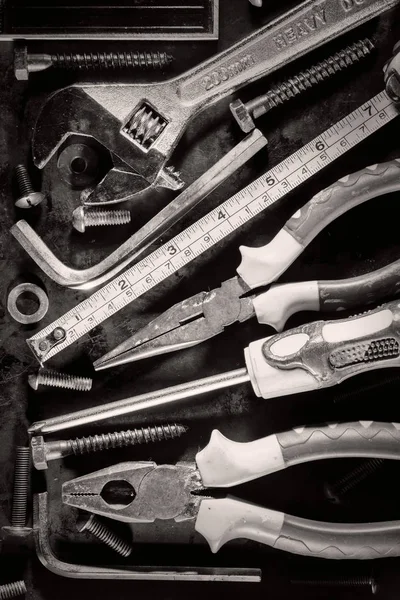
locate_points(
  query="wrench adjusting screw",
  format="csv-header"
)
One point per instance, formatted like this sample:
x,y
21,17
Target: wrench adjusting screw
x,y
82,218
105,535
26,63
59,380
245,113
28,197
12,590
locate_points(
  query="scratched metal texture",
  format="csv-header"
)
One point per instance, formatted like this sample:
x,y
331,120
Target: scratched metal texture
x,y
362,240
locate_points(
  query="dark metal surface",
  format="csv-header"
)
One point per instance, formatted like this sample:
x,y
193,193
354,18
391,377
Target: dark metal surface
x,y
364,239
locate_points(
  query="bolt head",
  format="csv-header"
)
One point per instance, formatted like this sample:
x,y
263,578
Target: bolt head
x,y
30,200
21,64
78,219
242,116
38,448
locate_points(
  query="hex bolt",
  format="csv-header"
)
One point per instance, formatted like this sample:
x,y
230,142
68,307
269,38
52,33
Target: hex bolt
x,y
59,380
28,197
335,491
42,451
26,63
357,581
105,535
21,487
245,113
83,217
12,590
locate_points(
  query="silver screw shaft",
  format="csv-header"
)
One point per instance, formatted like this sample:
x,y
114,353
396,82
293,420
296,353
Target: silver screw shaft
x,y
82,218
108,537
119,439
28,197
110,60
245,113
21,487
12,590
60,380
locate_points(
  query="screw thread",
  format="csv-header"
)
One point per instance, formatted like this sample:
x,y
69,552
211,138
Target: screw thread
x,y
108,537
97,218
63,380
312,76
349,481
120,439
344,581
21,487
12,590
24,183
112,60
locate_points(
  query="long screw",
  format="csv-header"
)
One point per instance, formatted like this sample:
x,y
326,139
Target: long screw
x,y
342,581
21,487
59,380
335,491
28,197
12,590
42,451
26,63
108,537
245,113
82,218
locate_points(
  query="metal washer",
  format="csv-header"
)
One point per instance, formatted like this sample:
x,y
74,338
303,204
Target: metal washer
x,y
16,314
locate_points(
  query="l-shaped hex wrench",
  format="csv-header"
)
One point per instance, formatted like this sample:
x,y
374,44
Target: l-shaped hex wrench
x,y
141,240
142,123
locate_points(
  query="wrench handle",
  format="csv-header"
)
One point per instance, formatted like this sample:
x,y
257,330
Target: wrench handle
x,y
293,34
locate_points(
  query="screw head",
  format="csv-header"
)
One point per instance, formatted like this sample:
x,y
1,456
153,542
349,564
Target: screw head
x,y
33,381
21,63
78,219
30,200
242,115
84,523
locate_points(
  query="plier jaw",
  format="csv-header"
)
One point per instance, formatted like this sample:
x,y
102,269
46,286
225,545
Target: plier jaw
x,y
185,324
138,492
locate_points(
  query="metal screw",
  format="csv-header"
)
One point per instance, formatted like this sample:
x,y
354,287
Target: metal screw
x,y
335,491
245,113
60,380
12,590
82,218
25,63
28,197
108,537
341,581
42,451
21,487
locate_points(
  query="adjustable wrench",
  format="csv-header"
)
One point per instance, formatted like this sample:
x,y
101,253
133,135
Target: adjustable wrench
x,y
141,124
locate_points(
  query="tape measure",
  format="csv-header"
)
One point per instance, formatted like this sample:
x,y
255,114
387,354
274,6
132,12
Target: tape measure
x,y
214,226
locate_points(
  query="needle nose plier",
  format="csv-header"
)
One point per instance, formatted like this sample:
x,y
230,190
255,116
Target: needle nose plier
x,y
207,314
141,492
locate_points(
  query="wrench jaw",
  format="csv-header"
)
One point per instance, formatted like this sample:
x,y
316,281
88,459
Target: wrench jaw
x,y
138,492
137,167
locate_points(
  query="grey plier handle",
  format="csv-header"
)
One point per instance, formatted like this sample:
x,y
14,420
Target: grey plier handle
x,y
224,463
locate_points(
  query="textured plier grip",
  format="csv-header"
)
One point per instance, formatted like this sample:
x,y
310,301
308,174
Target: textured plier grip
x,y
332,351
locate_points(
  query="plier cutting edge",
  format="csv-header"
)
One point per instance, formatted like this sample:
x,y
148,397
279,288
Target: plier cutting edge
x,y
207,314
141,492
